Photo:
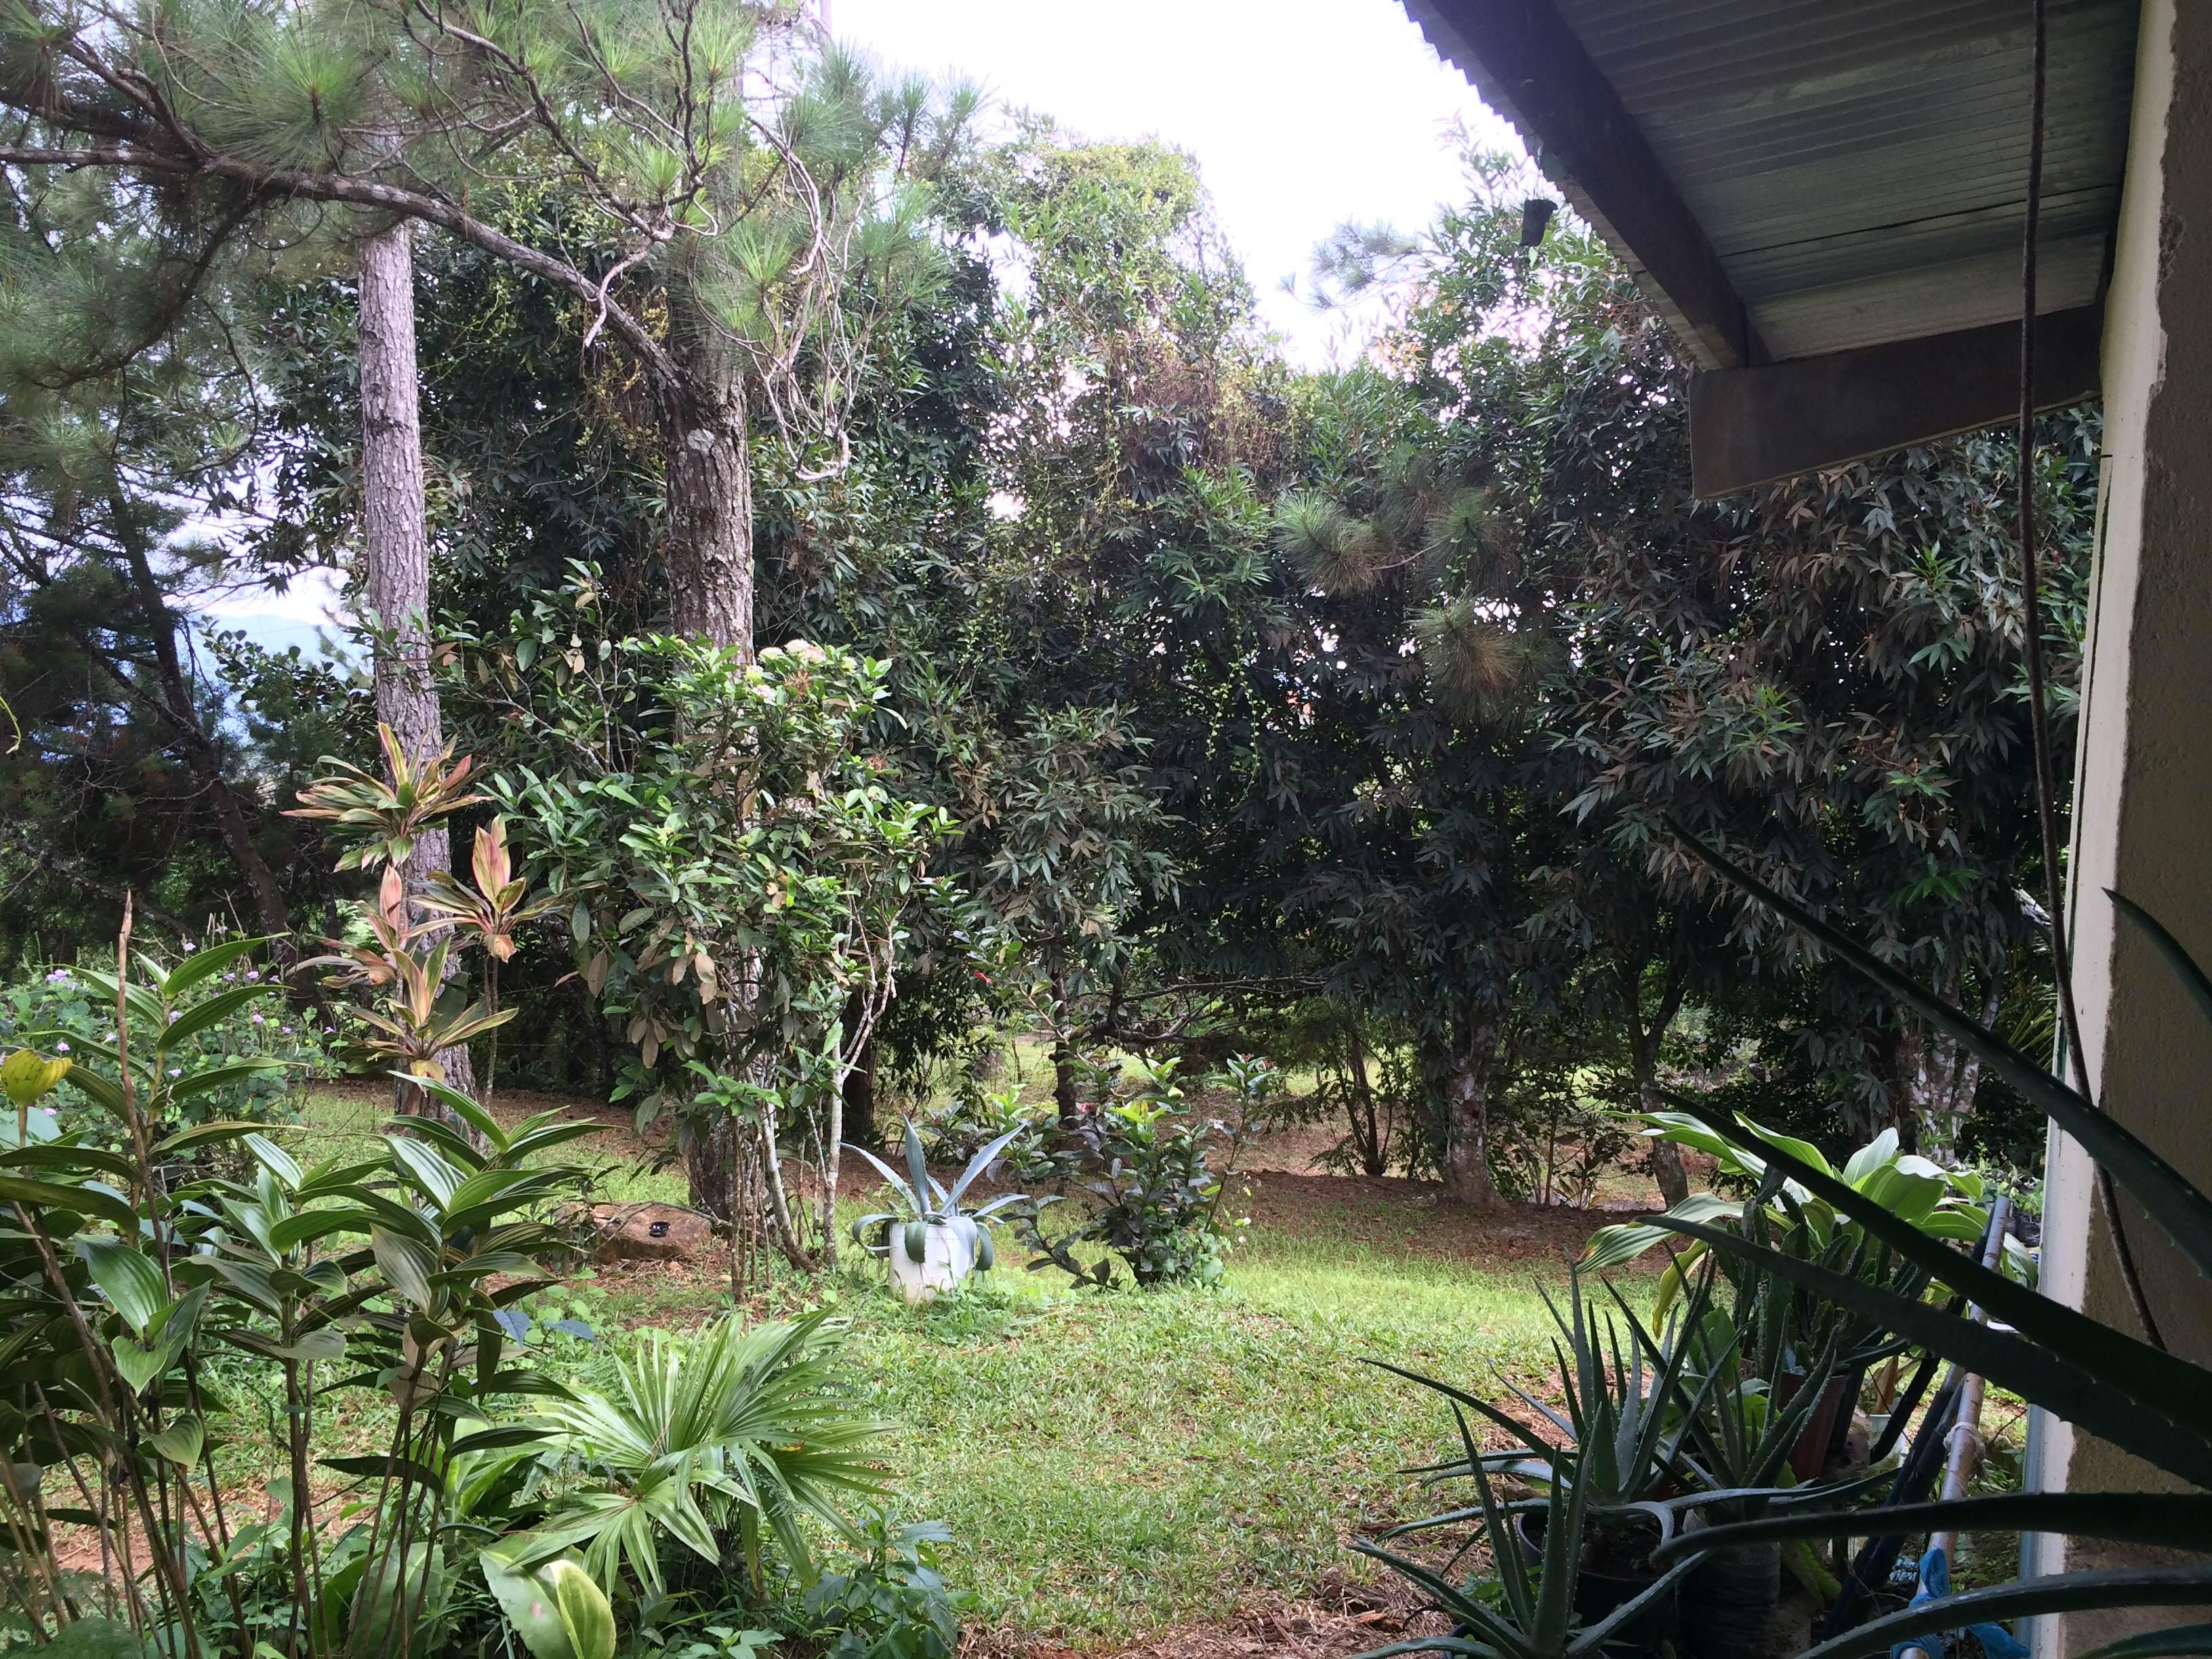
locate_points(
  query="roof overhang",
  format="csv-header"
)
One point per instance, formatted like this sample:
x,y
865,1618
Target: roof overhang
x,y
1824,198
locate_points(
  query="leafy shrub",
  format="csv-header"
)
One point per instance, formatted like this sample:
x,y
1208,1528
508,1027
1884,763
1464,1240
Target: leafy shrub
x,y
1142,1173
242,1056
979,1116
893,1604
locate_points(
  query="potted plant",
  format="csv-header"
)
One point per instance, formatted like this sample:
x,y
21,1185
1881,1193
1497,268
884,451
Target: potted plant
x,y
1537,1601
929,1243
1620,1448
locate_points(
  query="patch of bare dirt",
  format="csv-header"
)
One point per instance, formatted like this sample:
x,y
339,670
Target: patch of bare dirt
x,y
1393,1215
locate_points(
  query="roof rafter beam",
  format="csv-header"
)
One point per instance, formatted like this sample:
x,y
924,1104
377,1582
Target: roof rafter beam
x,y
1529,66
1754,426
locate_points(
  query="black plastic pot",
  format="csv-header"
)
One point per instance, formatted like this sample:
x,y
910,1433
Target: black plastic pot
x,y
1597,1593
1729,1601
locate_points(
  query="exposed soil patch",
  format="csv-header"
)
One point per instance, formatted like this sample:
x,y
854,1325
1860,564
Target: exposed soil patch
x,y
1342,1617
1409,1217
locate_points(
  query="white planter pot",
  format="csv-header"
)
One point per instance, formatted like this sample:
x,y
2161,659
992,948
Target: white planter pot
x,y
948,1257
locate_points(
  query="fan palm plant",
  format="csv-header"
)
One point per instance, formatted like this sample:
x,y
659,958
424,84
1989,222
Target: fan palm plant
x,y
734,1431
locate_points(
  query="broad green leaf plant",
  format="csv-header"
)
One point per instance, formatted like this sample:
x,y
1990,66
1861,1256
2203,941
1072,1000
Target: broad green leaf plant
x,y
2105,1381
145,1299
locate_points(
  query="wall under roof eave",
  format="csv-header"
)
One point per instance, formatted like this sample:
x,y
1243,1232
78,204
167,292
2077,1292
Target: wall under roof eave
x,y
2142,817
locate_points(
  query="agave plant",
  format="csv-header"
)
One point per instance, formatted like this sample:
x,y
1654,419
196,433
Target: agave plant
x,y
929,1242
2105,1381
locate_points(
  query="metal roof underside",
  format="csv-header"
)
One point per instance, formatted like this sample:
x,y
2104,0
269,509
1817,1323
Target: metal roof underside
x,y
1858,168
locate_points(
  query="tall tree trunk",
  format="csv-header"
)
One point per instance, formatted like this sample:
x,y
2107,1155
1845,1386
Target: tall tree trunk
x,y
1370,1135
860,1127
1662,1157
1467,1172
396,538
1665,1158
1064,1094
710,1172
707,549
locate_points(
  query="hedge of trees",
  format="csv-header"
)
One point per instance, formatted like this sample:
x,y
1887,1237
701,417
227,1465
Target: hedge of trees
x,y
1349,715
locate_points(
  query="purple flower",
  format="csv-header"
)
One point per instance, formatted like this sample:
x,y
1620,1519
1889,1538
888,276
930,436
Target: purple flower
x,y
329,1031
176,1071
57,976
190,947
257,1020
175,1014
62,1045
286,1029
253,974
226,978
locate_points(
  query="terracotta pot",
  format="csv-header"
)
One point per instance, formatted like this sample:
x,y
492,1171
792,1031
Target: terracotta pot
x,y
1810,1454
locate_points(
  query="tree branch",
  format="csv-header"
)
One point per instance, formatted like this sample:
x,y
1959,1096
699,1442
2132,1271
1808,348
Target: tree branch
x,y
364,192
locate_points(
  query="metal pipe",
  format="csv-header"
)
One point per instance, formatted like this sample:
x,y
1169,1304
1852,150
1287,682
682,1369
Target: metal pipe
x,y
1965,1438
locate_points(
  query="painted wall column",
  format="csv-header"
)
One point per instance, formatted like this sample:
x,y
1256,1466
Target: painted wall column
x,y
2142,818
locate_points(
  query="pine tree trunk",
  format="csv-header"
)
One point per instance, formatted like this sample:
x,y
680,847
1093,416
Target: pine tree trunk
x,y
396,539
707,551
1467,1172
709,547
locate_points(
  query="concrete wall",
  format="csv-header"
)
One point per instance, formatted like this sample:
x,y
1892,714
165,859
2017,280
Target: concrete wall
x,y
2143,822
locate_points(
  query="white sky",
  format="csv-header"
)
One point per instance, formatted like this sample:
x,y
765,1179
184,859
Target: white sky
x,y
1302,114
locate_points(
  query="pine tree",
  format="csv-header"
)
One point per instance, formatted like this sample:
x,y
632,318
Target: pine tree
x,y
123,401
745,198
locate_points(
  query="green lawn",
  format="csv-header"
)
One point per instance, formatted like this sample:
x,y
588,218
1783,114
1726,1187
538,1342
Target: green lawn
x,y
1111,1464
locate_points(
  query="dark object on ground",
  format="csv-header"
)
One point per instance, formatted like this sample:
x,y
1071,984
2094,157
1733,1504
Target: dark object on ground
x,y
647,1232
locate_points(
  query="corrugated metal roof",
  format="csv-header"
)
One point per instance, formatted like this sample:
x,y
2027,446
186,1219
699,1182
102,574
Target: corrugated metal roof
x,y
1859,166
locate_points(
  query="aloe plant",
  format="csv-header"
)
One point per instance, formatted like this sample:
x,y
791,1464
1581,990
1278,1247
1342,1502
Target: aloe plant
x,y
1527,1608
2105,1381
929,1242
